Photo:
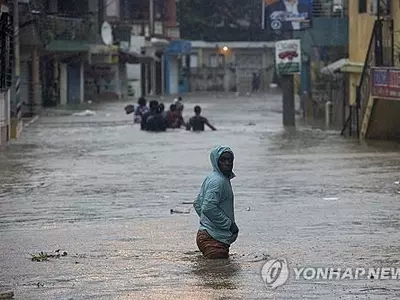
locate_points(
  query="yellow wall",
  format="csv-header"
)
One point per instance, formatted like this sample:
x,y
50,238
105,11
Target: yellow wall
x,y
396,32
360,31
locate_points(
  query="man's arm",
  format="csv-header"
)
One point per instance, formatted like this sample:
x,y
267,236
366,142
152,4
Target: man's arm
x,y
189,124
209,125
211,209
197,205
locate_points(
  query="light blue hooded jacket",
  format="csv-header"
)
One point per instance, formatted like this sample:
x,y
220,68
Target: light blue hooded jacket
x,y
215,202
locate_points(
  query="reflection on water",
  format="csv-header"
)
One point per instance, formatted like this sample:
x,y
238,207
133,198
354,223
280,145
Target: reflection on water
x,y
216,274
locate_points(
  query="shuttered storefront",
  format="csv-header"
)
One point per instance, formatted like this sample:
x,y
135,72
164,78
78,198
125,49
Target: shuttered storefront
x,y
246,65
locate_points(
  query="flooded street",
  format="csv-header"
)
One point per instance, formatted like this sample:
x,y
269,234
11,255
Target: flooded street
x,y
102,190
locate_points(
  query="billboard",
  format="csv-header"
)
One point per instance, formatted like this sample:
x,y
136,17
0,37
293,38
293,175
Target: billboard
x,y
385,83
287,15
288,57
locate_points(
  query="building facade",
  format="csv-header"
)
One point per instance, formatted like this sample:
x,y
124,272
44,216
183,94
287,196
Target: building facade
x,y
6,71
373,43
229,66
326,42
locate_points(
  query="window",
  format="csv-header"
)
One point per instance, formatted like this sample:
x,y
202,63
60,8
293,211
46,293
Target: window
x,y
193,61
362,6
216,60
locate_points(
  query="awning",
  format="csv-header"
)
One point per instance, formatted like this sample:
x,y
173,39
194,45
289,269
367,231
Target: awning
x,y
342,65
136,58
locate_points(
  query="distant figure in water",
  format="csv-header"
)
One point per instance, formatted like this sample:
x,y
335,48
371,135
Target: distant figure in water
x,y
157,122
153,111
174,117
140,110
215,207
196,123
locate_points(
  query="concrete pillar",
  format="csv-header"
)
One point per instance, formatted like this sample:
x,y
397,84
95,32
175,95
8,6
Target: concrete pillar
x,y
146,78
200,60
95,10
153,78
124,81
16,112
4,121
328,113
36,86
56,78
63,84
162,60
226,77
82,83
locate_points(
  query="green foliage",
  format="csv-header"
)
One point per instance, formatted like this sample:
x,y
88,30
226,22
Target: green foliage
x,y
227,20
43,256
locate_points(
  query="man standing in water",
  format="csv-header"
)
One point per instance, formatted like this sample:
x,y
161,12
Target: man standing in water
x,y
197,121
215,207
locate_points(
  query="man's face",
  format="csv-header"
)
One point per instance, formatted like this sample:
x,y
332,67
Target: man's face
x,y
225,163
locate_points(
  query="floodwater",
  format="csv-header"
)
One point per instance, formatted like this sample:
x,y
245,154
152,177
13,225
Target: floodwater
x,y
102,190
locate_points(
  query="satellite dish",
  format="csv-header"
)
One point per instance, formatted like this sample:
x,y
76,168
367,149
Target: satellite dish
x,y
106,33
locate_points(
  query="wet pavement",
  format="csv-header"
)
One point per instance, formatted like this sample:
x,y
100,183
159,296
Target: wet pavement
x,y
101,190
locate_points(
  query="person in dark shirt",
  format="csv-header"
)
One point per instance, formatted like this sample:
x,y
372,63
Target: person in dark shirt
x,y
157,122
153,110
196,123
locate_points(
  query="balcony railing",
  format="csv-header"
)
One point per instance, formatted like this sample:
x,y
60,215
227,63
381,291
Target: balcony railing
x,y
54,27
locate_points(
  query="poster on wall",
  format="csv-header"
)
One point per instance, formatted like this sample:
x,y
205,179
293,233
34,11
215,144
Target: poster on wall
x,y
385,83
288,57
287,15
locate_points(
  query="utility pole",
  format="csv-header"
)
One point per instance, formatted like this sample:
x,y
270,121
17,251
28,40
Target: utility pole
x,y
151,18
16,125
378,36
288,107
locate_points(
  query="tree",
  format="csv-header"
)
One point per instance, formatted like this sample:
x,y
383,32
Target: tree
x,y
221,20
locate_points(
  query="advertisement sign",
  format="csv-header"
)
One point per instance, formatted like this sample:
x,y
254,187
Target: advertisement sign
x,y
287,15
288,57
385,83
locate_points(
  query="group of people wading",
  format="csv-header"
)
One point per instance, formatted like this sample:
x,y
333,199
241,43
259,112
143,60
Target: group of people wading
x,y
155,118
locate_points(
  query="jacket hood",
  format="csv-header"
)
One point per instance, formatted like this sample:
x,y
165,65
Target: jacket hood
x,y
214,157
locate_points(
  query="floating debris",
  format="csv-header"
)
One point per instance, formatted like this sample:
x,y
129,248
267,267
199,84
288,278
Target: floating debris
x,y
248,209
84,113
43,256
7,295
176,211
331,198
187,203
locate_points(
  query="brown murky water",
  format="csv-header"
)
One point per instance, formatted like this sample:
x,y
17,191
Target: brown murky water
x,y
101,190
